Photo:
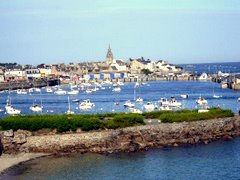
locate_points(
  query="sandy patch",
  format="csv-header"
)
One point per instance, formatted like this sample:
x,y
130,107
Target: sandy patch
x,y
7,160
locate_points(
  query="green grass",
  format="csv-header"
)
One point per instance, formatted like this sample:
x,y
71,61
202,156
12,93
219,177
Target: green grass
x,y
89,122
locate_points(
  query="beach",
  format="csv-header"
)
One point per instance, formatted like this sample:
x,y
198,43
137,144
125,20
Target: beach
x,y
9,160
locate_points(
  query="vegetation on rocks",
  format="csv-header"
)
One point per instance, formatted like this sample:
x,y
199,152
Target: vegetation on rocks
x,y
88,122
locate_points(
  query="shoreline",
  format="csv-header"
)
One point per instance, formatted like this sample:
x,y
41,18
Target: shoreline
x,y
20,147
10,160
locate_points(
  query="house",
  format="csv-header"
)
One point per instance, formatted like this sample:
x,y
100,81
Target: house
x,y
15,74
136,65
33,73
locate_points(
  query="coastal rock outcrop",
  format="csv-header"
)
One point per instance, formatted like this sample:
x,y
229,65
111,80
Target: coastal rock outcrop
x,y
127,139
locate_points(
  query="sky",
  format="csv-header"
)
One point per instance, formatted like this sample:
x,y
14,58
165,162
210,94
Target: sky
x,y
63,31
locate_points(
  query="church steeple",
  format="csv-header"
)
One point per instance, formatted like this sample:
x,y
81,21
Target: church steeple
x,y
109,56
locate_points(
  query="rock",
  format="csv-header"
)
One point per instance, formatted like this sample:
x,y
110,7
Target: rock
x,y
1,146
8,133
27,133
20,139
227,137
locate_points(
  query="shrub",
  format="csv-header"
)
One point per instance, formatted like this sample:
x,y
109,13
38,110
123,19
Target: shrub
x,y
128,119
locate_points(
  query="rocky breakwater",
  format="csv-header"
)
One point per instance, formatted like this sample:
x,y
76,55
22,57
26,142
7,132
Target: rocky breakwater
x,y
127,139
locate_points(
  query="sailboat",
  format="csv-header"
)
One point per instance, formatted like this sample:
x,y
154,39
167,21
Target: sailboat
x,y
69,108
9,108
139,99
215,95
36,107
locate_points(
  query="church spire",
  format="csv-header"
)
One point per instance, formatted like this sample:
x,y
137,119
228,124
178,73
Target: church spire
x,y
109,56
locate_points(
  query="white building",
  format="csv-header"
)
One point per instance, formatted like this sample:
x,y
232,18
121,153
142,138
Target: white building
x,y
120,65
15,74
33,73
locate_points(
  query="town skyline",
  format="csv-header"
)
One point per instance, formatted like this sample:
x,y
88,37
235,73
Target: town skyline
x,y
180,31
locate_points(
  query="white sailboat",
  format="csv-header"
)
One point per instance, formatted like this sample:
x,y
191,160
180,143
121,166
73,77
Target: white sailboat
x,y
139,99
36,107
69,111
201,101
10,110
128,103
215,95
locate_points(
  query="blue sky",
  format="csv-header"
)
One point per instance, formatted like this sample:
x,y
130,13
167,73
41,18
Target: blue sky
x,y
180,31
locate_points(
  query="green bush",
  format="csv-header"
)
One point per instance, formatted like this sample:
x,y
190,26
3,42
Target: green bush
x,y
128,119
180,116
89,122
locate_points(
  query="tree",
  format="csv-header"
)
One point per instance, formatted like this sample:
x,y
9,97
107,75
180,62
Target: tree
x,y
146,71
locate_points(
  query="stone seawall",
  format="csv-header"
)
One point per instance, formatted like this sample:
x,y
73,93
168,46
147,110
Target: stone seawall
x,y
127,139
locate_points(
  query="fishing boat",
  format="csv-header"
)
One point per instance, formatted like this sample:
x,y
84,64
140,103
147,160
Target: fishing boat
x,y
164,102
86,104
173,103
149,107
239,99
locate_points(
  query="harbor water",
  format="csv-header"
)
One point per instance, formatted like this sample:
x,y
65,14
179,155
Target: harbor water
x,y
106,100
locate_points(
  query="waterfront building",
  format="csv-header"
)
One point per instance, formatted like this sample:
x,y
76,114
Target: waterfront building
x,y
33,73
14,74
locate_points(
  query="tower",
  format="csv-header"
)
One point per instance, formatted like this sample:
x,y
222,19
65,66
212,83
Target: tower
x,y
109,56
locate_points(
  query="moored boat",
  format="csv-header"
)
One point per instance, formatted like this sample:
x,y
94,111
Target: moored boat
x,y
184,96
149,107
173,103
139,100
201,101
128,103
86,104
35,108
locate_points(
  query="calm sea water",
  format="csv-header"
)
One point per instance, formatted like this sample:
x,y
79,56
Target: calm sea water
x,y
212,68
215,161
